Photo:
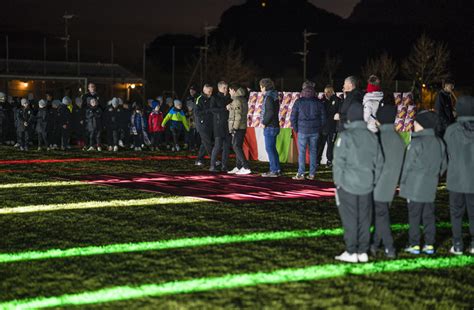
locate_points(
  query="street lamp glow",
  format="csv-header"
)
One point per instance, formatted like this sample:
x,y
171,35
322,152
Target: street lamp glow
x,y
132,86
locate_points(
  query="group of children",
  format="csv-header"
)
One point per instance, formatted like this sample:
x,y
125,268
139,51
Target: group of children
x,y
368,168
55,124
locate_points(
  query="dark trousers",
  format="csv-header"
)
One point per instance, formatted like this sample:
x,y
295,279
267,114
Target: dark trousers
x,y
54,136
421,213
192,138
112,137
65,134
2,132
355,212
329,139
157,138
176,133
221,144
458,203
138,139
237,143
42,138
206,144
125,135
23,138
383,231
94,137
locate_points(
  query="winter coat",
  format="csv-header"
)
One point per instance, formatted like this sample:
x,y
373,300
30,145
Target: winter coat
x,y
203,114
24,116
459,139
94,119
425,162
177,119
331,106
308,115
393,149
125,119
154,122
358,159
87,97
355,96
42,117
78,117
112,118
371,103
238,111
220,114
138,125
64,116
444,109
3,114
190,117
53,123
271,109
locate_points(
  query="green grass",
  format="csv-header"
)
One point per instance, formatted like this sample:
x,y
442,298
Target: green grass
x,y
62,229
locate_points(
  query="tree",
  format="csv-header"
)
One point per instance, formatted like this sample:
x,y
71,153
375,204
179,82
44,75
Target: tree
x,y
330,66
427,62
227,63
383,66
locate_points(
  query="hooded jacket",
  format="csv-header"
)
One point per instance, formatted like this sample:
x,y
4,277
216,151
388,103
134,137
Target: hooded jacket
x,y
220,115
459,139
444,108
331,106
203,114
308,115
270,109
371,103
354,96
425,162
238,111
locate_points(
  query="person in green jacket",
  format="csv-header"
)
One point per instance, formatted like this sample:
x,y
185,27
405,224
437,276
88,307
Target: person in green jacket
x,y
178,122
393,149
425,162
459,139
357,165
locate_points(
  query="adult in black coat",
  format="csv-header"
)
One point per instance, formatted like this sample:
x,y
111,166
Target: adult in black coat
x,y
352,96
64,122
42,124
94,125
25,120
112,123
444,107
90,94
332,103
220,122
204,123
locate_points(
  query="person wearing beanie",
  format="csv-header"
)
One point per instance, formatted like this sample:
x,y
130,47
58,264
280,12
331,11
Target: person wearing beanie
x,y
42,124
357,166
393,149
459,138
178,123
155,129
425,162
94,124
25,119
371,102
112,124
444,107
308,116
64,122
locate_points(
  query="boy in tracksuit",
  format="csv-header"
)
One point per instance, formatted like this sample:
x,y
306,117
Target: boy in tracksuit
x,y
459,139
42,124
357,165
425,162
155,129
25,119
178,122
112,123
393,149
94,124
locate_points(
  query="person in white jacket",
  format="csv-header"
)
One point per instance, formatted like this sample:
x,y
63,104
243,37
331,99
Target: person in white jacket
x,y
371,102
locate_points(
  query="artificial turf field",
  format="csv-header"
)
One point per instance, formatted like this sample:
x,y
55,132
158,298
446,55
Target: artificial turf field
x,y
125,248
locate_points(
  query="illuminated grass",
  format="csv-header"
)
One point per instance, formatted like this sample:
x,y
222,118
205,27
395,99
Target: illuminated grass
x,y
41,184
100,204
178,243
312,273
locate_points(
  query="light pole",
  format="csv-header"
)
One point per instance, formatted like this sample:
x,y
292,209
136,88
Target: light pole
x,y
66,37
305,51
207,29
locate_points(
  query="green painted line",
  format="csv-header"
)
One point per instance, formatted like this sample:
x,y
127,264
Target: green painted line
x,y
178,243
231,281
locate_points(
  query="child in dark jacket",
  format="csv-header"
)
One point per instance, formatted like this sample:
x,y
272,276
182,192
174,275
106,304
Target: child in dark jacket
x,y
154,126
138,129
94,124
3,118
25,119
64,119
125,117
54,133
425,162
42,125
459,139
178,123
78,116
112,123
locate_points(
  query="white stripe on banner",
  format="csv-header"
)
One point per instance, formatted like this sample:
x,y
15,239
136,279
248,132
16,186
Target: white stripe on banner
x,y
262,154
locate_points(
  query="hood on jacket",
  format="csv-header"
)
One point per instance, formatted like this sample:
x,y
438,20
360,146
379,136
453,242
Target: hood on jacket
x,y
467,127
308,92
239,93
272,93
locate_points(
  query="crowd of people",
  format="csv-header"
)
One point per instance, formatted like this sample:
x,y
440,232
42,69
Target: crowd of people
x,y
368,157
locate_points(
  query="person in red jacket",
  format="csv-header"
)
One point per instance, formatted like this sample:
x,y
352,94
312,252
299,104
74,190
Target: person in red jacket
x,y
154,126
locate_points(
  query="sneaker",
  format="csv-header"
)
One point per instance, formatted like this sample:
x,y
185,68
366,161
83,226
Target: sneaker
x,y
413,249
218,163
135,149
363,258
456,250
39,149
311,177
470,250
347,257
17,145
178,148
173,149
139,148
428,249
298,177
224,169
270,175
99,149
121,143
22,148
110,148
390,253
198,163
91,149
115,148
234,171
243,171
47,149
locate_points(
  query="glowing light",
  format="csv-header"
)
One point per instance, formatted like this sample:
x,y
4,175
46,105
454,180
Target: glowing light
x,y
311,273
132,86
264,4
178,243
424,85
99,204
25,84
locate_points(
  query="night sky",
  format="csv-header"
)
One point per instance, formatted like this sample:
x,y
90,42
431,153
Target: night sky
x,y
128,23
